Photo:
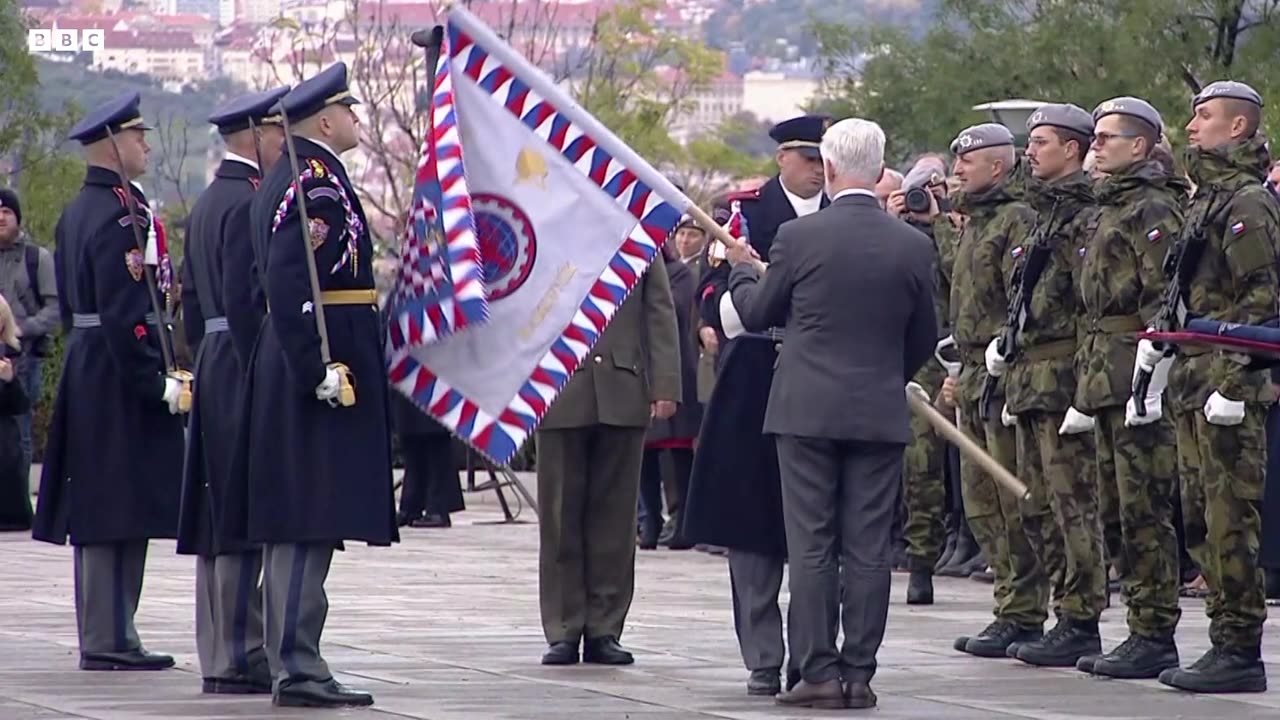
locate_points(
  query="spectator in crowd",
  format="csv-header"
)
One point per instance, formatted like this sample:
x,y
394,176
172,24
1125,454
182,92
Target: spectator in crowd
x,y
889,182
15,491
27,280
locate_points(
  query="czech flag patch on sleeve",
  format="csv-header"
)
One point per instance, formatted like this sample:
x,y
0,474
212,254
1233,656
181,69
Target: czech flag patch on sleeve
x,y
1237,227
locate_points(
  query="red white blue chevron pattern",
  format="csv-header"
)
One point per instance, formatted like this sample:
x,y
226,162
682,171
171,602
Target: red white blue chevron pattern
x,y
499,438
440,289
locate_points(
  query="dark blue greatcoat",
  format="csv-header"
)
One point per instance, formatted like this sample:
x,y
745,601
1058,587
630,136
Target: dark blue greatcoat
x,y
221,213
735,491
312,473
113,464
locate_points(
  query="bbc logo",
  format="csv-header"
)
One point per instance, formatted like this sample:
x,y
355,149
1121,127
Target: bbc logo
x,y
60,40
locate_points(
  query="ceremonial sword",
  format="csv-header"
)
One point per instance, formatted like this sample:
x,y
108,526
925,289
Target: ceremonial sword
x,y
346,390
183,377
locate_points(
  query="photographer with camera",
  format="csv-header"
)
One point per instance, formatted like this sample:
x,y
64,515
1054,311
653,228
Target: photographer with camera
x,y
920,203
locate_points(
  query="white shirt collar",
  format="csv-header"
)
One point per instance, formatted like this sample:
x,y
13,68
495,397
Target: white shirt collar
x,y
241,159
855,191
803,206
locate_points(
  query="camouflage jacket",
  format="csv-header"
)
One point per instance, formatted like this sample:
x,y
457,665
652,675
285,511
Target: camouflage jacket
x,y
984,262
1236,278
1042,376
942,233
1121,277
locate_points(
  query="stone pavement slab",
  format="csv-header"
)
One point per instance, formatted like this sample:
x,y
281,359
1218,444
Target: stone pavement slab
x,y
444,626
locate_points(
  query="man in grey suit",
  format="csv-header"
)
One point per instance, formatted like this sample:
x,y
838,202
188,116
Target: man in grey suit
x,y
854,288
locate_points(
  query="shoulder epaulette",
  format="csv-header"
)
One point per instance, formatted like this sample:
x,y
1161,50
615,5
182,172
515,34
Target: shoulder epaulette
x,y
743,195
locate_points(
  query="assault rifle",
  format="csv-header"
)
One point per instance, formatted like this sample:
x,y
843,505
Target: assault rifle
x,y
1179,266
1024,279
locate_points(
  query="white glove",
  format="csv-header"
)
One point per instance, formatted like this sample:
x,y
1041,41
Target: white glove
x,y
916,387
1148,355
1221,411
1075,422
1155,392
328,388
1007,418
172,388
995,361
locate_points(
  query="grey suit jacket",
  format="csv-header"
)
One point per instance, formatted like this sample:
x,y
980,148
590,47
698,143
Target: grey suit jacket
x,y
854,288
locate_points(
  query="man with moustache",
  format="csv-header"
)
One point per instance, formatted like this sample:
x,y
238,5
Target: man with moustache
x,y
985,255
1054,439
1219,403
228,598
735,497
1121,283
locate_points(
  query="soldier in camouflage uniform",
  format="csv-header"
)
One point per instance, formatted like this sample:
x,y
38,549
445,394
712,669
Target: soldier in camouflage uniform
x,y
1122,282
1054,439
924,490
1219,405
997,223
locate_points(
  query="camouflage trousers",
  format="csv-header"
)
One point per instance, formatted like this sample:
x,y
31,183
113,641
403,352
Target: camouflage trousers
x,y
995,519
924,495
1061,520
1136,472
1221,470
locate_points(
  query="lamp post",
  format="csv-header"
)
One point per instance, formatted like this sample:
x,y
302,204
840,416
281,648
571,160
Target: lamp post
x,y
1012,114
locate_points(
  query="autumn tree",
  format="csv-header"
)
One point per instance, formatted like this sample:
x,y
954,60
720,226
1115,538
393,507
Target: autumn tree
x,y
921,88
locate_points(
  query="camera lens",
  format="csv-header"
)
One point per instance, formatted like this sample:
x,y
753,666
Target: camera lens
x,y
917,200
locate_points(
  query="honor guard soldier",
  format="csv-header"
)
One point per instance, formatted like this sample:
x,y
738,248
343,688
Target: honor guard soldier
x,y
735,495
112,472
228,599
1121,282
1034,353
318,465
985,254
1228,273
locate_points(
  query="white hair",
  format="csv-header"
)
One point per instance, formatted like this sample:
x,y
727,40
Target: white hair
x,y
855,149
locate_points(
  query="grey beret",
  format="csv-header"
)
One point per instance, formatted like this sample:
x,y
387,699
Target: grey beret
x,y
1227,89
981,136
1065,116
1133,107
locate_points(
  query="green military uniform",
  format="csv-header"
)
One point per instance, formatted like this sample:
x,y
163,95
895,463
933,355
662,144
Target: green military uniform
x,y
1061,521
997,222
1221,466
924,490
590,446
1121,281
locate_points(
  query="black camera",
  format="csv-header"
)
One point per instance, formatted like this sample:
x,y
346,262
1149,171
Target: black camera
x,y
917,200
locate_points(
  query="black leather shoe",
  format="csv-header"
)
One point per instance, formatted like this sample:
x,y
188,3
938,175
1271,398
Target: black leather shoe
x,y
920,588
561,653
793,678
605,651
1137,658
433,520
132,660
764,682
310,693
1064,645
1221,670
858,695
238,685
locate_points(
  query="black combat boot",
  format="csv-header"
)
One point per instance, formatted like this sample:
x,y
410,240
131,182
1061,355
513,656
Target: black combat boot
x,y
1221,670
1136,658
966,549
995,640
1064,645
948,548
920,588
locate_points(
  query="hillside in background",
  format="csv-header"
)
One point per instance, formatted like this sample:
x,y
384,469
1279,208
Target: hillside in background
x,y
781,29
181,139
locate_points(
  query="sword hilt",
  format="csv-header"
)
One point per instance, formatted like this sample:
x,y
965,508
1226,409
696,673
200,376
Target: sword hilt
x,y
346,385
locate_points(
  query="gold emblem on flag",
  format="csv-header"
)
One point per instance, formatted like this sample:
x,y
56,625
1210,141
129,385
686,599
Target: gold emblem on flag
x,y
531,167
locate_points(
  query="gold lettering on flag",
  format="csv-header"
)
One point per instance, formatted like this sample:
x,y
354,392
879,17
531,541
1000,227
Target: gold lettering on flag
x,y
548,301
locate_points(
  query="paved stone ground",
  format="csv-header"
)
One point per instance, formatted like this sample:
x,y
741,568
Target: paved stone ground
x,y
445,626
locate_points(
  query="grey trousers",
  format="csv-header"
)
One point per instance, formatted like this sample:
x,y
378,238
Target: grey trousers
x,y
838,500
756,580
108,584
294,610
229,638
